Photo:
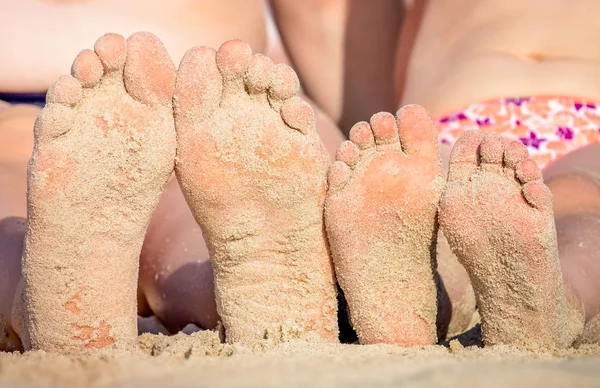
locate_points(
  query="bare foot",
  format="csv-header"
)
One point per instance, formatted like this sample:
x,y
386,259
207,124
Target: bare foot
x,y
253,170
104,150
497,215
381,222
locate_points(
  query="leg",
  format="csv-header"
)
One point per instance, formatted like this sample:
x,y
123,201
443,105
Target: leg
x,y
575,185
345,60
16,143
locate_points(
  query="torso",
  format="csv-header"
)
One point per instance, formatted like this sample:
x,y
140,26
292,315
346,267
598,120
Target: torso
x,y
42,37
468,51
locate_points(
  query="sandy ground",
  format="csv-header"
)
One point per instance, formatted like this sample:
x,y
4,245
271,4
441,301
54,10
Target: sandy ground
x,y
200,359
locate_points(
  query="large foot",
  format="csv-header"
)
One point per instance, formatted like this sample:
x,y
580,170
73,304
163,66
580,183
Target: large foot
x,y
253,171
104,149
381,222
497,215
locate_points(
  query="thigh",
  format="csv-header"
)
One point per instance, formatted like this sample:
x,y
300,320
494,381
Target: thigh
x,y
16,143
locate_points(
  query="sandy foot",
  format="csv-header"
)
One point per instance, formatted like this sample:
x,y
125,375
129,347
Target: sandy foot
x,y
253,170
104,148
497,215
381,222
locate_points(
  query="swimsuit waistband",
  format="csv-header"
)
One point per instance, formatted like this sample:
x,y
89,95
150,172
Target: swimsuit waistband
x,y
38,99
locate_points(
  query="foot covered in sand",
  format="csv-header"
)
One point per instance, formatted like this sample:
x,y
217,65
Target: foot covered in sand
x,y
104,148
497,214
253,170
381,222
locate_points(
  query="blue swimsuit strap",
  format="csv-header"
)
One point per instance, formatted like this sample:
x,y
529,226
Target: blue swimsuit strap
x,y
38,99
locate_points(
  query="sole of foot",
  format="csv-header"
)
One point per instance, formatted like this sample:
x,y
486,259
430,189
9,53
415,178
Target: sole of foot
x,y
253,170
104,149
381,221
497,214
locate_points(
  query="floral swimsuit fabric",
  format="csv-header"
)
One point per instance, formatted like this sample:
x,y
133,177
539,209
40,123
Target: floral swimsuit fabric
x,y
549,126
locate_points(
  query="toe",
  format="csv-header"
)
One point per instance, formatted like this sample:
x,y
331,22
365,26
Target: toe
x,y
362,135
233,59
284,84
418,134
491,153
53,121
198,87
464,156
149,73
112,51
339,172
298,115
528,171
258,76
348,153
385,130
66,90
87,68
514,153
538,195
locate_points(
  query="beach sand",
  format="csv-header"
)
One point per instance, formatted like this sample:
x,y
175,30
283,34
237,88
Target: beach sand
x,y
200,359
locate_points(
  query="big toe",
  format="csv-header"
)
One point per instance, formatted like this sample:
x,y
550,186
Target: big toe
x,y
198,88
418,134
149,72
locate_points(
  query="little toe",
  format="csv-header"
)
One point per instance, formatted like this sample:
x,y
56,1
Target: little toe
x,y
362,135
149,73
87,68
298,115
464,157
233,59
491,152
53,121
284,85
66,90
338,175
418,134
348,153
385,130
528,171
112,51
198,87
538,195
258,76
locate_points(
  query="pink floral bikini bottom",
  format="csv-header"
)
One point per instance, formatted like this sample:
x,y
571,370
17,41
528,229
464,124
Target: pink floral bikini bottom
x,y
549,126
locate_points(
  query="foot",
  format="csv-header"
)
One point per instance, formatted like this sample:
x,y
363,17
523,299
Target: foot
x,y
381,222
104,150
253,170
497,215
